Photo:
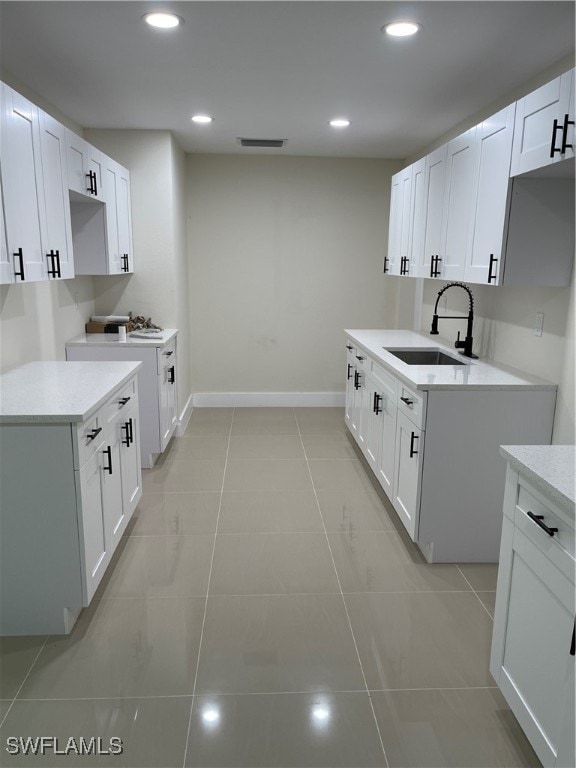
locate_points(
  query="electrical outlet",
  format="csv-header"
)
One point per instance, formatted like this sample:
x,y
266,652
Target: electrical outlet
x,y
539,324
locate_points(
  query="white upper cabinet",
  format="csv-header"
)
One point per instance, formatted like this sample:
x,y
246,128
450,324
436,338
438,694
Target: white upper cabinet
x,y
544,128
22,186
431,257
400,223
457,220
6,271
58,241
85,167
118,217
490,198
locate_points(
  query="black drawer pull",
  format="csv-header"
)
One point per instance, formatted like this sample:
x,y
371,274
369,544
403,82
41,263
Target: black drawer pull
x,y
573,644
126,438
167,354
122,402
386,260
94,433
171,375
131,431
493,262
19,272
108,452
54,257
565,144
413,437
356,380
538,520
377,400
407,400
553,148
359,357
349,374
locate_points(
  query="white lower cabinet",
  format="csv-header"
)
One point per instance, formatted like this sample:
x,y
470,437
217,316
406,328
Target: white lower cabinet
x,y
68,491
532,657
157,383
435,452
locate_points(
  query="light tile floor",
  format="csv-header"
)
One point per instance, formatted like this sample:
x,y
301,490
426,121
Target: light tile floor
x,y
266,608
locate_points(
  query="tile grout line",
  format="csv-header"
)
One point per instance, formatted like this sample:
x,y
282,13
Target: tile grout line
x,y
207,592
475,592
342,596
27,675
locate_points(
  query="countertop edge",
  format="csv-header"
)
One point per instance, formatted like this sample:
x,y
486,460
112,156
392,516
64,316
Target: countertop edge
x,y
104,339
553,491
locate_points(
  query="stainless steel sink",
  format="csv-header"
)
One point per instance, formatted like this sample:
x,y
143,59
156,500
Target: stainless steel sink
x,y
427,356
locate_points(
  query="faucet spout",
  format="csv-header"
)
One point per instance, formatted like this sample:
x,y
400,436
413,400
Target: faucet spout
x,y
466,345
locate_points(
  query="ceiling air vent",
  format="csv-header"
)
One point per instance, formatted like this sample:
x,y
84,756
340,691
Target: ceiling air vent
x,y
261,142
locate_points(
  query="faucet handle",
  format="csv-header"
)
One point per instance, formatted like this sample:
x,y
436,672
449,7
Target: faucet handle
x,y
459,344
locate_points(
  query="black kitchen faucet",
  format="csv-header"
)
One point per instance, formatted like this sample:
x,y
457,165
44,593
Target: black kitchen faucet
x,y
465,345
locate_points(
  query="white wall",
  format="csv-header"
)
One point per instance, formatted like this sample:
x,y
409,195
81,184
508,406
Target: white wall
x,y
284,254
155,289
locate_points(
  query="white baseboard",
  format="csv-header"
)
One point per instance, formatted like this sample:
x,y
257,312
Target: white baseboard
x,y
184,417
269,399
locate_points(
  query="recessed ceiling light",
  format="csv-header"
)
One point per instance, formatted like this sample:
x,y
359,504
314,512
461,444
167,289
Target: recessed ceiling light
x,y
163,20
401,28
340,122
201,119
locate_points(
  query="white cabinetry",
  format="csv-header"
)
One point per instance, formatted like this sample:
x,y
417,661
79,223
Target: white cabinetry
x,y
435,451
532,655
85,167
157,382
431,255
400,223
544,129
68,489
118,218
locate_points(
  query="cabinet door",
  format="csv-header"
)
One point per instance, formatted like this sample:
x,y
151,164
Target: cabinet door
x,y
167,402
56,200
112,488
432,212
407,472
22,186
130,463
350,368
124,217
484,260
538,139
417,215
399,227
458,224
364,405
533,627
92,524
113,266
387,447
373,423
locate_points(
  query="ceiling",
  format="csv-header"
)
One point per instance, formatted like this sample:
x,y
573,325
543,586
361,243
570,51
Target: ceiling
x,y
282,69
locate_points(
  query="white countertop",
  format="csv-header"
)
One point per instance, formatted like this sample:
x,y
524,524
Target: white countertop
x,y
549,467
131,341
59,392
476,374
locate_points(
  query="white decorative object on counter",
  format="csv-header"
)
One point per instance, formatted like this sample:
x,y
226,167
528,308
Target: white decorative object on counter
x,y
157,379
70,481
431,434
532,657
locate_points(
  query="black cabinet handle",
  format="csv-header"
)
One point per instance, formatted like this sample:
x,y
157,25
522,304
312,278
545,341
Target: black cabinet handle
x,y
376,407
573,644
19,272
359,357
122,402
167,354
131,431
407,400
413,437
94,434
553,148
356,380
434,270
125,265
404,265
565,144
108,452
171,377
126,439
54,256
493,262
93,188
349,348
538,520
386,260
349,375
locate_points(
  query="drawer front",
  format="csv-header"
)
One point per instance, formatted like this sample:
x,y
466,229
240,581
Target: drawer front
x,y
166,356
89,436
122,400
411,404
388,384
563,537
